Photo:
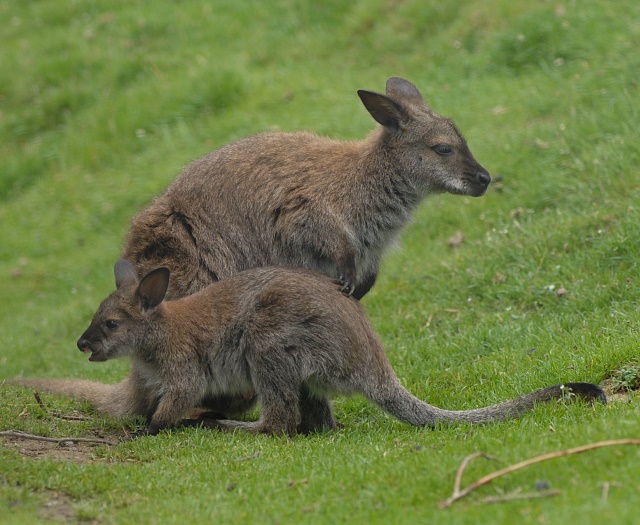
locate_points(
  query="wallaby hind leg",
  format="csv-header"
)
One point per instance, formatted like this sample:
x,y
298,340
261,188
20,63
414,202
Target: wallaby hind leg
x,y
279,395
273,420
224,407
277,388
315,413
280,409
276,381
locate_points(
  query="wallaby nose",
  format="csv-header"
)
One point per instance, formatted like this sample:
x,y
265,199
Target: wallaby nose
x,y
483,177
83,345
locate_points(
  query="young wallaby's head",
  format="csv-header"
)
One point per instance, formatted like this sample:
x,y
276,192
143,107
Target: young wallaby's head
x,y
120,324
428,147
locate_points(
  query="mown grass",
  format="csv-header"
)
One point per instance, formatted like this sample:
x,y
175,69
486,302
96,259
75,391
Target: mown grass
x,y
102,103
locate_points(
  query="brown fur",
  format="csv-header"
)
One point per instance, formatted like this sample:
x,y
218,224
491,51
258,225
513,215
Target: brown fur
x,y
289,335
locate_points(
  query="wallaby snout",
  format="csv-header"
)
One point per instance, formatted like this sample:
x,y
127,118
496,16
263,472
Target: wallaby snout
x,y
83,344
482,178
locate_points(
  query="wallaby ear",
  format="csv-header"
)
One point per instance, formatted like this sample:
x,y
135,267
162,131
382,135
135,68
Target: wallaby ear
x,y
153,288
125,273
402,89
386,111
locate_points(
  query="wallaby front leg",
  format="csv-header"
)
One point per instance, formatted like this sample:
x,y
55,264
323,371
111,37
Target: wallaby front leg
x,y
346,267
172,408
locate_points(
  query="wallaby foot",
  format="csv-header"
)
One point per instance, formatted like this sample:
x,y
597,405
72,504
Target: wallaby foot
x,y
230,425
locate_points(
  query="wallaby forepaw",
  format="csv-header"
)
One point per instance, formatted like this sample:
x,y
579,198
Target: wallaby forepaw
x,y
347,282
347,278
346,287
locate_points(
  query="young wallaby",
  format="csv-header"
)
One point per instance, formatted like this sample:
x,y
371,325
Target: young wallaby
x,y
288,335
297,199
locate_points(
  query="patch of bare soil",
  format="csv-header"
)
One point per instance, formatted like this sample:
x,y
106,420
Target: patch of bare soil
x,y
614,393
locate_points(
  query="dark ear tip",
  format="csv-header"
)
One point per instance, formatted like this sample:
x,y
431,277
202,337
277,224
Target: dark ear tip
x,y
122,263
124,272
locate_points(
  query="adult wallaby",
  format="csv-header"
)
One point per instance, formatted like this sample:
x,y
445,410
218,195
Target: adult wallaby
x,y
297,199
289,335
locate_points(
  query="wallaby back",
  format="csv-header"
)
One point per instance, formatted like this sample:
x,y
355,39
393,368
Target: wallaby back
x,y
286,336
297,199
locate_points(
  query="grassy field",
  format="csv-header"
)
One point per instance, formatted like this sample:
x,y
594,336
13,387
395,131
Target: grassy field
x,y
102,103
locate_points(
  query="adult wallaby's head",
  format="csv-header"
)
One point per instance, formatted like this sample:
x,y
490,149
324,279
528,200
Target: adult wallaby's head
x,y
122,319
426,145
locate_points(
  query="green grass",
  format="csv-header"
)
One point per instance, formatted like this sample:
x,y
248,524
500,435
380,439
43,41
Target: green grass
x,y
101,104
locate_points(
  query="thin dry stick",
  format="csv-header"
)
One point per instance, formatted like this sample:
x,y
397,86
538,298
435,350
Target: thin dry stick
x,y
605,489
24,435
463,465
459,494
36,394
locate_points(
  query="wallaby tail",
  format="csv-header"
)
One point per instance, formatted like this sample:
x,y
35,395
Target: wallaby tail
x,y
398,402
114,400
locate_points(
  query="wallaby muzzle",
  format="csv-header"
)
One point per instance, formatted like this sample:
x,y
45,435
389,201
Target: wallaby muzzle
x,y
480,180
84,345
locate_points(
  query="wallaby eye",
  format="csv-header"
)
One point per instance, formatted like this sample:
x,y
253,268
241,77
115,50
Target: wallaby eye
x,y
112,324
443,149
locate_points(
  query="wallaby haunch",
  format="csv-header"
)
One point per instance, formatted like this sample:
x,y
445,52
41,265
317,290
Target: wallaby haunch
x,y
297,199
289,335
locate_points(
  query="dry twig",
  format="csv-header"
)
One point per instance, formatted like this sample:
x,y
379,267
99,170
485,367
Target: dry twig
x,y
24,435
605,489
459,494
67,417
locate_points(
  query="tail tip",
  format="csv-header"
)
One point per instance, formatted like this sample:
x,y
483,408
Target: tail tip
x,y
587,391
